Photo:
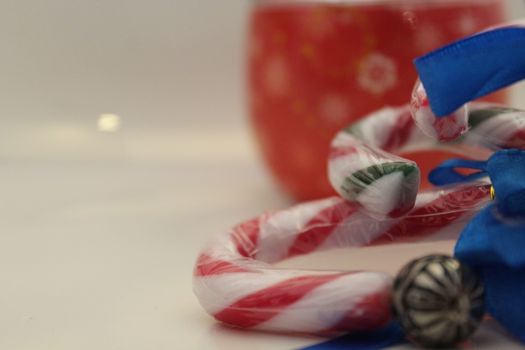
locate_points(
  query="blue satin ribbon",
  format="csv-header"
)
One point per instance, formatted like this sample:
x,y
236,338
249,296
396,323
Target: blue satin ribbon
x,y
472,67
446,173
493,242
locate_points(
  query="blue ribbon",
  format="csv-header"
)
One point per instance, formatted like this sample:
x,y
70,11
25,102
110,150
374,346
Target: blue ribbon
x,y
493,242
473,67
446,173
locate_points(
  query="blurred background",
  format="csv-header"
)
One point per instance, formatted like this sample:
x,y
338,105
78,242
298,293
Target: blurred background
x,y
162,64
125,144
170,67
165,63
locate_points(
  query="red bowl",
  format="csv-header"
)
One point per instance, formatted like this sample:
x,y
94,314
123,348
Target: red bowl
x,y
315,67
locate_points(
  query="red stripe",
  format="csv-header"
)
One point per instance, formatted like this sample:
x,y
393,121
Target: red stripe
x,y
336,152
435,215
320,227
517,140
444,126
246,235
207,266
400,132
372,312
265,304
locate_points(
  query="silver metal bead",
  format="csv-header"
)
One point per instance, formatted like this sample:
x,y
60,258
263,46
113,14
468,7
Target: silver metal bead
x,y
438,301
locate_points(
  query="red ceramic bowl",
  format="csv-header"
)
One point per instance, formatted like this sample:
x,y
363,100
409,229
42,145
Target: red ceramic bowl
x,y
316,66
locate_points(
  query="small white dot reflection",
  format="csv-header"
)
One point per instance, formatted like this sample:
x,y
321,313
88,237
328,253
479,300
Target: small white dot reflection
x,y
409,17
108,123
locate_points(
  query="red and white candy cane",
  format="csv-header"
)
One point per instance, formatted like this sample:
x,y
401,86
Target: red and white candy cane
x,y
451,127
362,167
446,128
236,283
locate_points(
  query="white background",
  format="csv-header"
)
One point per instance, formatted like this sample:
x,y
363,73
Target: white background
x,y
99,231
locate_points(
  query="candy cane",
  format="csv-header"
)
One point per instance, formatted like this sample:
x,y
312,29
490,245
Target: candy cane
x,y
360,155
236,284
466,53
446,128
